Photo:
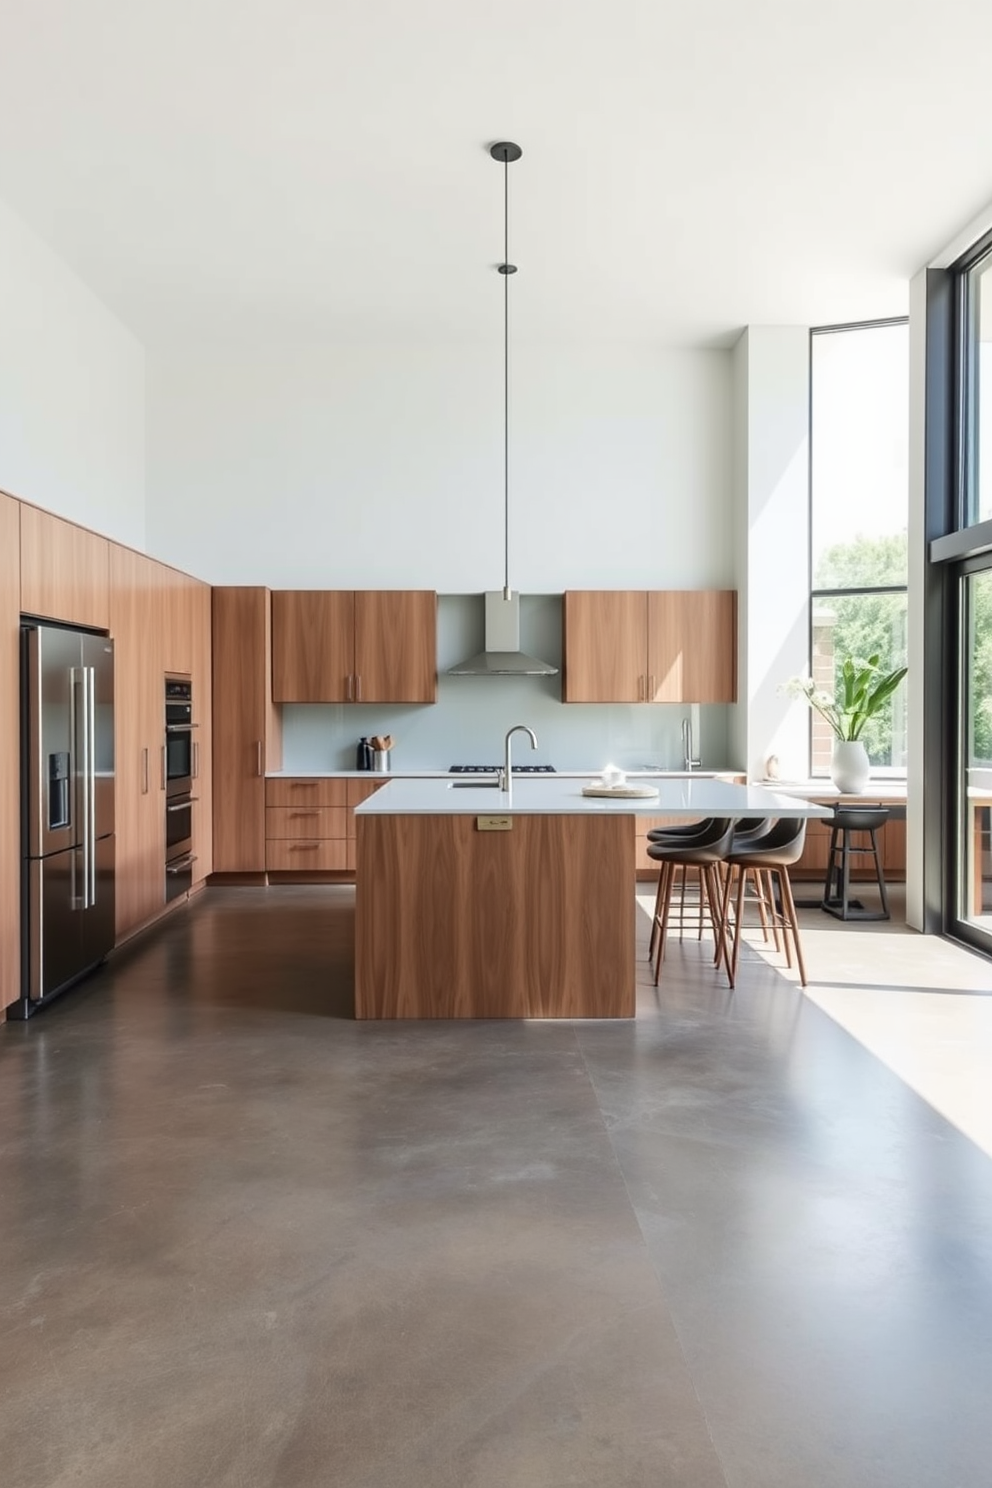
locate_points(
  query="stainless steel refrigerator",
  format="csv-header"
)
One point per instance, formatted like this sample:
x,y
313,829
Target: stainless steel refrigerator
x,y
67,885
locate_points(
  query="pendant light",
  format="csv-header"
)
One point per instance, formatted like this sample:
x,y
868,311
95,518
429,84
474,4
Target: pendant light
x,y
502,655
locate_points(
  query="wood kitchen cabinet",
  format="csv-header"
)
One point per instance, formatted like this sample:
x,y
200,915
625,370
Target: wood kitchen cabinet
x,y
354,646
200,605
137,623
310,825
650,646
10,835
65,570
246,727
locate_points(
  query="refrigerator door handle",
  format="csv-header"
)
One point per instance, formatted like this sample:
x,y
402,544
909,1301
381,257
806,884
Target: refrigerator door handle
x,y
81,770
91,785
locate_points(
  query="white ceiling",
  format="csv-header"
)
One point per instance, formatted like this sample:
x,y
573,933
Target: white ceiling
x,y
273,168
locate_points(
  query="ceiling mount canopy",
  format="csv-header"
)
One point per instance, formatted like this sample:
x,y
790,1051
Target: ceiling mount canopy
x,y
502,655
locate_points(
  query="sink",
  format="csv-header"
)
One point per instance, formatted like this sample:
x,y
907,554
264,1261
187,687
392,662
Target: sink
x,y
473,785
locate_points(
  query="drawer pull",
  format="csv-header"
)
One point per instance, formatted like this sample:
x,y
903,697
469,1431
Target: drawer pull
x,y
302,784
313,812
304,846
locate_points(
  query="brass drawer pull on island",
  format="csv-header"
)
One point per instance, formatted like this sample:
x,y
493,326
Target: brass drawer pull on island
x,y
494,823
312,812
304,846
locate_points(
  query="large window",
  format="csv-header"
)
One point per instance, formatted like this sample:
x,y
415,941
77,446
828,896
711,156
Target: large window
x,y
859,446
975,472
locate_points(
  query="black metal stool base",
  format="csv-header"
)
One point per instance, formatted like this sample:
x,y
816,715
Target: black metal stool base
x,y
837,899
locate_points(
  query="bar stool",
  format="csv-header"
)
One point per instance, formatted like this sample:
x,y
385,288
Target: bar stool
x,y
773,853
837,886
705,850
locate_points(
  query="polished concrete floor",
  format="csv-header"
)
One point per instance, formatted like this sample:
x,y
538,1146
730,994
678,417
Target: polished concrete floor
x,y
249,1243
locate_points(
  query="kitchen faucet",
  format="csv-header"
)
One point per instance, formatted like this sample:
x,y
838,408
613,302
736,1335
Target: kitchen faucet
x,y
688,761
505,775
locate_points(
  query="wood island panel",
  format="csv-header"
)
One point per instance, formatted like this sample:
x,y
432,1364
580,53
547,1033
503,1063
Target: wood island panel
x,y
534,922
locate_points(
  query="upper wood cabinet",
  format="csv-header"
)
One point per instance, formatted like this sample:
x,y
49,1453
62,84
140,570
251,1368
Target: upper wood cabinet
x,y
692,646
650,646
65,570
361,646
10,821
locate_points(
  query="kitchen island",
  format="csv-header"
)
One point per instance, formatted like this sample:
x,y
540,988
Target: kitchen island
x,y
475,903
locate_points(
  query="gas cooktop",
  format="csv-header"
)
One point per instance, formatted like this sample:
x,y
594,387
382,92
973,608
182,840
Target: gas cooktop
x,y
495,769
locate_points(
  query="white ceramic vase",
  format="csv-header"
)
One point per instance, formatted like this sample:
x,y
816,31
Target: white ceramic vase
x,y
849,766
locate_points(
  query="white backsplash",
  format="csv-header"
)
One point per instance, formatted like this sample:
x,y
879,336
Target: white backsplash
x,y
468,722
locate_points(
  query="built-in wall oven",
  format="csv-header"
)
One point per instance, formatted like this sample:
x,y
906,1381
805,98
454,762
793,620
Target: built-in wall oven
x,y
181,756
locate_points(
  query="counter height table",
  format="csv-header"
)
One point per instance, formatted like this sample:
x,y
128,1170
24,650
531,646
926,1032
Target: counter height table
x,y
475,903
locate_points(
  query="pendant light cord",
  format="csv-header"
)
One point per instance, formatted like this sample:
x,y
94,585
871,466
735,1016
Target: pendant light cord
x,y
506,380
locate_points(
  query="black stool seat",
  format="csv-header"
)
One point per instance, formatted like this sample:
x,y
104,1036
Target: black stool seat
x,y
837,887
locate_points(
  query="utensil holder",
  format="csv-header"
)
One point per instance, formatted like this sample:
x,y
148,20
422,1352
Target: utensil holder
x,y
380,759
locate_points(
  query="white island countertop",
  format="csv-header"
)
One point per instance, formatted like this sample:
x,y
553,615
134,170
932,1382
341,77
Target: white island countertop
x,y
543,795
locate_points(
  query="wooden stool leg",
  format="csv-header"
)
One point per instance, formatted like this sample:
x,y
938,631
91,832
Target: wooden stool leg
x,y
742,874
788,900
669,871
657,912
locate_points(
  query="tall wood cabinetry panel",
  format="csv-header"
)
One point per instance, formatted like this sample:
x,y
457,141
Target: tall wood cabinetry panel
x,y
692,645
345,646
65,570
203,754
313,645
10,837
137,622
605,646
639,646
246,727
179,643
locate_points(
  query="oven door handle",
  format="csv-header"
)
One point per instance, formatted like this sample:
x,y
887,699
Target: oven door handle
x,y
179,865
180,728
182,805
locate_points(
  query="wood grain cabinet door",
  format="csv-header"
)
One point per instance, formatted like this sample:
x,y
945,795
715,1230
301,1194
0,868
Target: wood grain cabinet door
x,y
246,728
395,646
10,841
138,608
65,570
313,645
692,646
605,646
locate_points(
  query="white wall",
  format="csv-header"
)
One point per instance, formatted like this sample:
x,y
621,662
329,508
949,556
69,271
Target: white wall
x,y
72,393
380,465
771,369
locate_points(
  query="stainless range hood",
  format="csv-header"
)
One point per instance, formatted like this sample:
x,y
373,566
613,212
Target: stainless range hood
x,y
502,656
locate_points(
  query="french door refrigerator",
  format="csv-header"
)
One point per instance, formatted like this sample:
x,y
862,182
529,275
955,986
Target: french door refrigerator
x,y
67,879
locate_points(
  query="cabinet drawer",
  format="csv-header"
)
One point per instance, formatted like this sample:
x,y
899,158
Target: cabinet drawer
x,y
306,790
307,855
306,821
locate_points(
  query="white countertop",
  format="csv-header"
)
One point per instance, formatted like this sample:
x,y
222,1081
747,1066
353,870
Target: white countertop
x,y
825,790
543,795
447,775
